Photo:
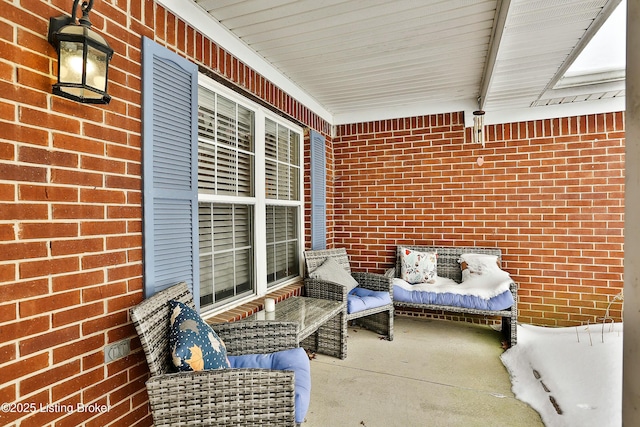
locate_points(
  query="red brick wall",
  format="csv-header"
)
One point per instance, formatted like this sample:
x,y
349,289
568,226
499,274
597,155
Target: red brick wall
x,y
70,207
70,210
550,194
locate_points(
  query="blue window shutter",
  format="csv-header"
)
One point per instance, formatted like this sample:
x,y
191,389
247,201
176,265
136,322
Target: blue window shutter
x,y
169,162
318,192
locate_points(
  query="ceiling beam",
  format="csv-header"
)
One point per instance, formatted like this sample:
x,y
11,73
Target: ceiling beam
x,y
502,10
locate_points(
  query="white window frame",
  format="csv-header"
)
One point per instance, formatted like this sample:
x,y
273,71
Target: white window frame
x,y
259,201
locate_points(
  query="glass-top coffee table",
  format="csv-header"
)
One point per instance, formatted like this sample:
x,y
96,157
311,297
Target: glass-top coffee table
x,y
322,324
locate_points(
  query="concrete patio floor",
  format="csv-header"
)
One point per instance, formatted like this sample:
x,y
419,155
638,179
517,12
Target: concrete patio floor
x,y
434,373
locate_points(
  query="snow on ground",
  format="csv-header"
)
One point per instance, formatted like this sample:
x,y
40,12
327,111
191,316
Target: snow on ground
x,y
580,367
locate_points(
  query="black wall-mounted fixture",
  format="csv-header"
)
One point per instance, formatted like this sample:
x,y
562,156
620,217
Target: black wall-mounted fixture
x,y
83,57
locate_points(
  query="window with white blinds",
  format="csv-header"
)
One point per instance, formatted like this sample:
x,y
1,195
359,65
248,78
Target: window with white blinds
x,y
250,207
282,169
282,243
226,251
225,146
282,164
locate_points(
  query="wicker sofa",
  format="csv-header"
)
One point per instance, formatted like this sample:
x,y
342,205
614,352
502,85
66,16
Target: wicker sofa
x,y
449,267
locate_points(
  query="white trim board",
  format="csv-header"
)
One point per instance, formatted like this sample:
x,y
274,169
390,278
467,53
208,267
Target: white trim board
x,y
207,25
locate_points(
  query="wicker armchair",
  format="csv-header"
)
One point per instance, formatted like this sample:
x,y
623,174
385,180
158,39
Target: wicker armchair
x,y
378,319
224,397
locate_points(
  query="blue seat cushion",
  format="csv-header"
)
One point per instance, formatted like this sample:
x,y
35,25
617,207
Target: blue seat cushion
x,y
295,360
360,299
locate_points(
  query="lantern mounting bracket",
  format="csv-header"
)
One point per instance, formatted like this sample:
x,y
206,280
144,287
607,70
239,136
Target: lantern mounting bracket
x,y
57,22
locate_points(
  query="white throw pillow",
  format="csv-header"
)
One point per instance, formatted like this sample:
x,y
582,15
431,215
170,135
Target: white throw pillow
x,y
477,264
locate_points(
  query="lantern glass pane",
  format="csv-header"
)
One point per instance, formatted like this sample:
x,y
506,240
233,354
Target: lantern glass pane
x,y
96,69
71,62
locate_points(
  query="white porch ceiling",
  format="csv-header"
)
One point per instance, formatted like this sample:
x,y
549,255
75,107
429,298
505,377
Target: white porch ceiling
x,y
374,59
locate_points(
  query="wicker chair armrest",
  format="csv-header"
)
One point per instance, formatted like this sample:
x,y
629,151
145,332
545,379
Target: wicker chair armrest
x,y
315,288
216,397
254,337
513,287
373,281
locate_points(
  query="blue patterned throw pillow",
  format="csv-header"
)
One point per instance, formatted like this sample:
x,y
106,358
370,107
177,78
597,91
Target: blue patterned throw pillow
x,y
194,344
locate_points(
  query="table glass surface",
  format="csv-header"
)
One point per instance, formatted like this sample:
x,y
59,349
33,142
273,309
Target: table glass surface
x,y
308,313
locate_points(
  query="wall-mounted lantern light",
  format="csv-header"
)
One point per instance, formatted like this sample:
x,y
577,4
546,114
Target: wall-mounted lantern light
x,y
83,57
477,134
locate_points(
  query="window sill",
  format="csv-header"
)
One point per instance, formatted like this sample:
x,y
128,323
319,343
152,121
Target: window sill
x,y
254,304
